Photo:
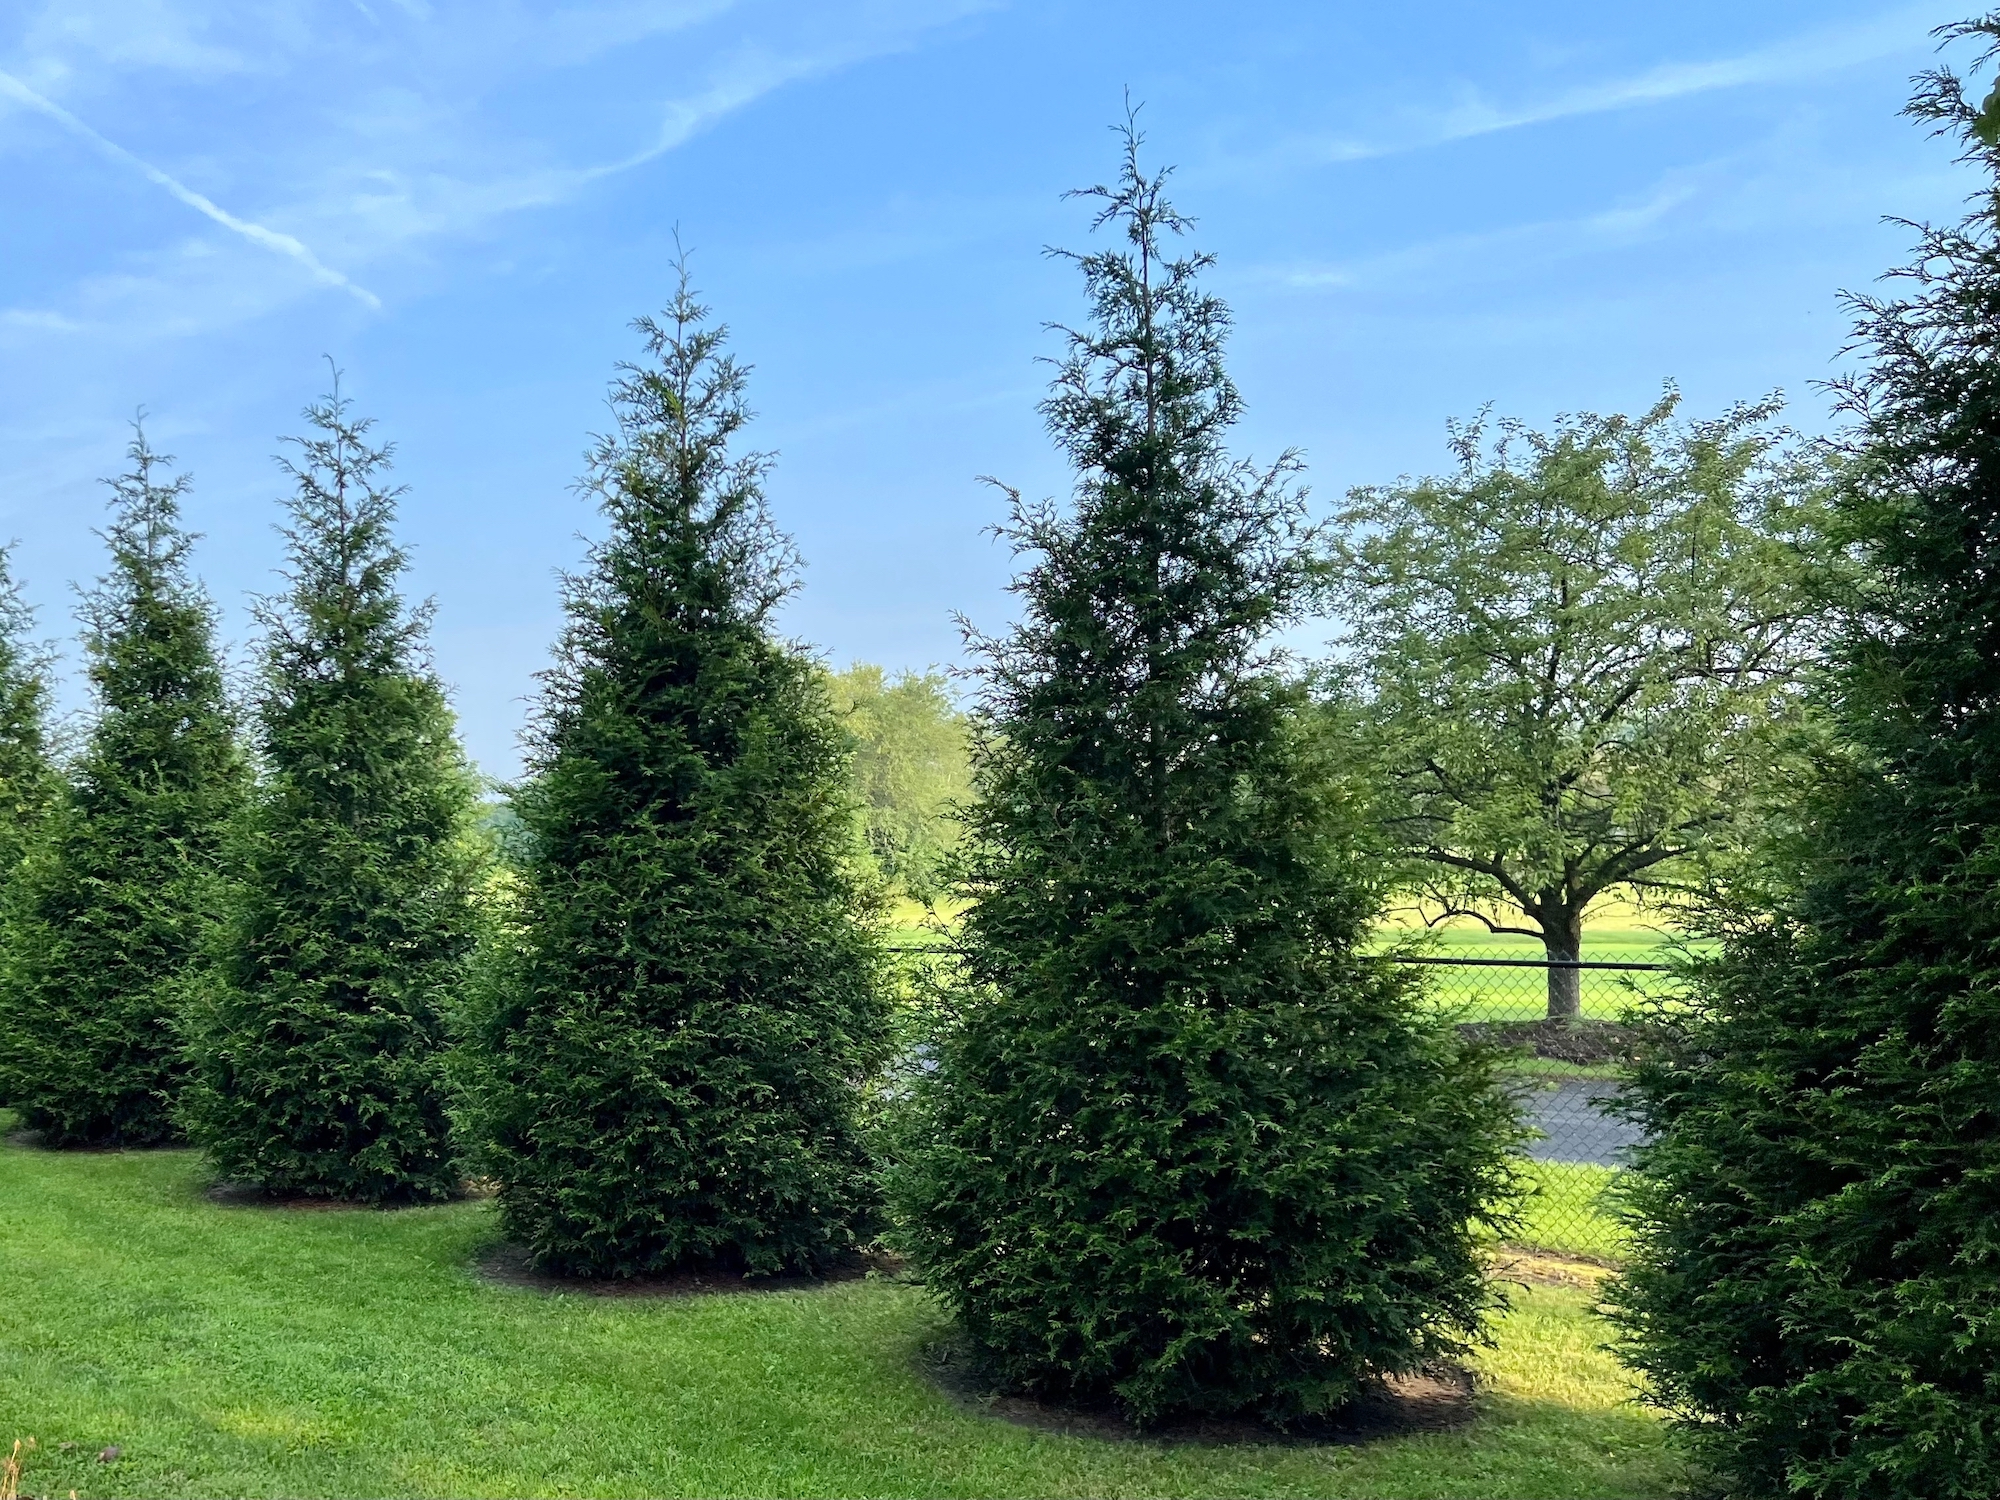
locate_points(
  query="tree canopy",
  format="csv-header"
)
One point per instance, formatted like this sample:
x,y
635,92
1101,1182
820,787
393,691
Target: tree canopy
x,y
1579,659
912,768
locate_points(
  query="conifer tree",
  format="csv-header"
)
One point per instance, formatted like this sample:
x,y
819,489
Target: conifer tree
x,y
1817,1281
670,1059
319,1059
1816,1287
1184,1146
112,910
28,782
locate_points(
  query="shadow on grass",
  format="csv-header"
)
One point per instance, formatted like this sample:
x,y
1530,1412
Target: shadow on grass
x,y
506,1265
1440,1399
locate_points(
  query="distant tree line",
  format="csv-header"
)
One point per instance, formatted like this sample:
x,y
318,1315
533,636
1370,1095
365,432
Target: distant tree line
x,y
1156,1125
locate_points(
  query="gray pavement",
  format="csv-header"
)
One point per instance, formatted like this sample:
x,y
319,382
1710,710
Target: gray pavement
x,y
1574,1125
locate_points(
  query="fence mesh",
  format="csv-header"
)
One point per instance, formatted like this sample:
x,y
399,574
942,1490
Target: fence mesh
x,y
1562,1075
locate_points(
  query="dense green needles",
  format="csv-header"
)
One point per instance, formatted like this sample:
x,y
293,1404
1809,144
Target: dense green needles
x,y
28,782
1817,1280
1182,1145
667,1059
319,1057
110,913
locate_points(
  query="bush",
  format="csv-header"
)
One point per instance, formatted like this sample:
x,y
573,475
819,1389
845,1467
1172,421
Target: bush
x,y
111,912
1815,1284
666,1070
1183,1145
28,783
319,1059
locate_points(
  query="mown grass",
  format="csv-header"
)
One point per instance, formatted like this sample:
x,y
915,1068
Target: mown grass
x,y
1568,1212
259,1351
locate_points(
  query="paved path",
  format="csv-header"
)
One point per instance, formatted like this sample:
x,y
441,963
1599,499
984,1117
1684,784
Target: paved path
x,y
1575,1127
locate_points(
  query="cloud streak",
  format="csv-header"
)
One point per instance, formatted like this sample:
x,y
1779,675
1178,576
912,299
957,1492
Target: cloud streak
x,y
1788,61
257,234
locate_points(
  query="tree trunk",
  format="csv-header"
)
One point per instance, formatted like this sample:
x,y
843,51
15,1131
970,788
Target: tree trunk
x,y
1562,940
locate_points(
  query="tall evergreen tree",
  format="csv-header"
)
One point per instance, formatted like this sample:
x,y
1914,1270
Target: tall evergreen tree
x,y
28,782
1185,1146
670,1061
319,1060
111,911
1816,1286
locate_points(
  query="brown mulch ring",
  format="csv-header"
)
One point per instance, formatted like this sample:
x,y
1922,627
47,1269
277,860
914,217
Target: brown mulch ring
x,y
507,1265
1436,1400
1580,1042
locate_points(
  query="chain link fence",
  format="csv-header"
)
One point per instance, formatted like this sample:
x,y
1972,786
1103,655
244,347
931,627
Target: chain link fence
x,y
1562,1072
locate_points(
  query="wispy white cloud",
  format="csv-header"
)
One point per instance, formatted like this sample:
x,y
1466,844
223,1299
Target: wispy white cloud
x,y
1904,30
257,234
1491,249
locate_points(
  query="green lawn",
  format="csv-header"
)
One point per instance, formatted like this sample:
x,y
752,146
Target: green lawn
x,y
255,1351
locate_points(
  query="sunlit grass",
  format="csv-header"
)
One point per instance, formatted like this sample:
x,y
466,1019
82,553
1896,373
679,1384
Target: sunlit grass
x,y
246,1351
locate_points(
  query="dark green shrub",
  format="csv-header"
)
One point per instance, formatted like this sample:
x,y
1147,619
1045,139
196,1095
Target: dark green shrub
x,y
28,783
110,913
1815,1291
1183,1145
319,1059
667,1070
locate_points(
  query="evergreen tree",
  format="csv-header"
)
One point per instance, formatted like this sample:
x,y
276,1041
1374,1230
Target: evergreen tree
x,y
669,1063
1184,1146
319,1060
112,910
1815,1291
28,783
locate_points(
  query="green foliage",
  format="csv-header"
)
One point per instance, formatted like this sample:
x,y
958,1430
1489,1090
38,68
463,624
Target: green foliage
x,y
1580,658
1183,1146
319,1058
666,1069
1815,1290
28,783
912,766
112,908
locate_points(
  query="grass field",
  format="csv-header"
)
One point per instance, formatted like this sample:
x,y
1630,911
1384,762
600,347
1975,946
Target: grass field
x,y
259,1351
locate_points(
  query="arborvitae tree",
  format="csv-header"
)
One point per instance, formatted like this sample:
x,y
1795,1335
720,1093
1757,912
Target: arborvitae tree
x,y
1815,1291
319,1061
1185,1147
28,782
671,1060
112,910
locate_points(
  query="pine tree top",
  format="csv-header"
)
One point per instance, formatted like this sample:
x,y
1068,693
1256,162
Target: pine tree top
x,y
24,687
1175,560
691,551
148,622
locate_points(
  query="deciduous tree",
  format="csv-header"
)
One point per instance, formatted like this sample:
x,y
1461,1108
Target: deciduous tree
x,y
1579,660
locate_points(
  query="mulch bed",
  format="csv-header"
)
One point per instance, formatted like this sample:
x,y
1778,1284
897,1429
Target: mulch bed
x,y
1581,1042
507,1265
1437,1400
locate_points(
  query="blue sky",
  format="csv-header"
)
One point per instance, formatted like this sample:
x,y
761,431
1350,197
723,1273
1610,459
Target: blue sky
x,y
1418,210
